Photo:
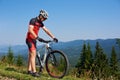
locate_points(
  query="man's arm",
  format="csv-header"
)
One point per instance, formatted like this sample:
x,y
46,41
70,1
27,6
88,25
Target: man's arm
x,y
48,32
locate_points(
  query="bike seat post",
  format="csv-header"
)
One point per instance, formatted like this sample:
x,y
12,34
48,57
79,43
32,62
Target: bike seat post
x,y
38,54
47,45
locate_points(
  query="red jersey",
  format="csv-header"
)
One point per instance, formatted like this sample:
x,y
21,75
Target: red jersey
x,y
36,26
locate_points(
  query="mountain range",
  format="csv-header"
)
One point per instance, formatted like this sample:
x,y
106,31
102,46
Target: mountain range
x,y
71,48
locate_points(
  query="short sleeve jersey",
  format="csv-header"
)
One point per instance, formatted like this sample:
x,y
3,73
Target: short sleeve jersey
x,y
36,26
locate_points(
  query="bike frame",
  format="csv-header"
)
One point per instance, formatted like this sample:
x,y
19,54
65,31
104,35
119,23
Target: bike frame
x,y
50,59
47,50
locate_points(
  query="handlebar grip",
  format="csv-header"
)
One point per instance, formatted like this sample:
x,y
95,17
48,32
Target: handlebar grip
x,y
47,41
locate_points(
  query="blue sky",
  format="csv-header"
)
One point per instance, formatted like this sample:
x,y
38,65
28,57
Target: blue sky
x,y
68,19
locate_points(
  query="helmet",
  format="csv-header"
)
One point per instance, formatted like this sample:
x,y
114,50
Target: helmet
x,y
44,13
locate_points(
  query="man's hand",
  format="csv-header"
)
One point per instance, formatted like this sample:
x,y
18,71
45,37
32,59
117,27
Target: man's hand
x,y
55,39
40,39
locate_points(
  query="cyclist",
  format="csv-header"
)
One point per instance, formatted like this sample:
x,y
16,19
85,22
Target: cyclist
x,y
35,25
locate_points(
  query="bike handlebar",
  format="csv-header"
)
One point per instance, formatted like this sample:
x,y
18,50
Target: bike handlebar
x,y
47,41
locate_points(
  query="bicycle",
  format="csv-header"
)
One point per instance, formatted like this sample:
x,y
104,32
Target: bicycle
x,y
55,61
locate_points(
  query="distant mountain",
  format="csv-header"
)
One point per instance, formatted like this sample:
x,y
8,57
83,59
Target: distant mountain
x,y
71,48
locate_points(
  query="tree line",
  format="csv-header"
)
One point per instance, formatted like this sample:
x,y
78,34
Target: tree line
x,y
10,59
97,65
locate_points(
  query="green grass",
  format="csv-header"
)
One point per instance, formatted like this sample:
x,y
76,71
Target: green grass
x,y
20,74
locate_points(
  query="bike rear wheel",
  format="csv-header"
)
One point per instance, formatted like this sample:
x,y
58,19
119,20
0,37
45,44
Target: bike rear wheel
x,y
57,64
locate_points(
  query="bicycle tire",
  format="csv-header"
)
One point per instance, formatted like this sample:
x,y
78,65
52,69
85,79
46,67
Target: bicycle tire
x,y
54,67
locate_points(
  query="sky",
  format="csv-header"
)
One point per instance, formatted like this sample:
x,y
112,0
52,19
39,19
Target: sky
x,y
68,19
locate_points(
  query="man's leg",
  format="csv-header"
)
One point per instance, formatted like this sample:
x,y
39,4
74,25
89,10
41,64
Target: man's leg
x,y
32,56
29,64
32,60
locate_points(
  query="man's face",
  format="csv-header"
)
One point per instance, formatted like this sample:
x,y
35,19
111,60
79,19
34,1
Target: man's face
x,y
42,18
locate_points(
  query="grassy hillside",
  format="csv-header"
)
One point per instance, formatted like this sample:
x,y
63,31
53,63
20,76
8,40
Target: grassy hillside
x,y
19,73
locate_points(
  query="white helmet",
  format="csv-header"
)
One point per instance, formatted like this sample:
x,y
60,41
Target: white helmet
x,y
44,13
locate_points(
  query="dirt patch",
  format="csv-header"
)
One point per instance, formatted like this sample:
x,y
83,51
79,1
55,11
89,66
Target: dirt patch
x,y
6,78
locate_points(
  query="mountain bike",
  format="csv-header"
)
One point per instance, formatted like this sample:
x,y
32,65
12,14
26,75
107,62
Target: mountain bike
x,y
55,61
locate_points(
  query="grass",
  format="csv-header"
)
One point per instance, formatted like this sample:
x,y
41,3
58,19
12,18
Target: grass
x,y
20,74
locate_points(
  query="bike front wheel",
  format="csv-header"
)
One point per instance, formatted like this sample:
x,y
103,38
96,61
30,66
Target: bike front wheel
x,y
57,64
